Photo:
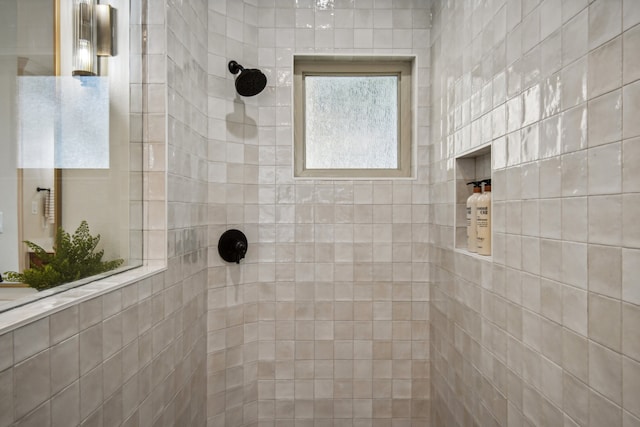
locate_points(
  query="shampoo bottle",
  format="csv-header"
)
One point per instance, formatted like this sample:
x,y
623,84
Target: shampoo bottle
x,y
471,216
483,220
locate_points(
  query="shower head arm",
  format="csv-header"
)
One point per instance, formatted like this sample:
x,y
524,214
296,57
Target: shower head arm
x,y
235,68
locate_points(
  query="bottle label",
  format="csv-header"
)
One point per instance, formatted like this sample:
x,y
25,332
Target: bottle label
x,y
483,224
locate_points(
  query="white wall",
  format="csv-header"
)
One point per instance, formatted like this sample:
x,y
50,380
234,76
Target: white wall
x,y
8,177
546,332
334,290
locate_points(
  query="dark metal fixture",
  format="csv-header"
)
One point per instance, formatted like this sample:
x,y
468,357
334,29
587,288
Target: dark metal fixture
x,y
232,246
250,82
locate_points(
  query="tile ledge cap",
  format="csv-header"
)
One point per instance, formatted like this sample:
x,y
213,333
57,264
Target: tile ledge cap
x,y
20,316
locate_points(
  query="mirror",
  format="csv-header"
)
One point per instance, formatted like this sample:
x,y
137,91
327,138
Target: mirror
x,y
43,109
28,48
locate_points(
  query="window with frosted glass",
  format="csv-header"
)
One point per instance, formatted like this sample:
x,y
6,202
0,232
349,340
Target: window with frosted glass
x,y
352,118
351,122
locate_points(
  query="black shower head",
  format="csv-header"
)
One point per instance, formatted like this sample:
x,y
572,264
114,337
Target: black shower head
x,y
250,82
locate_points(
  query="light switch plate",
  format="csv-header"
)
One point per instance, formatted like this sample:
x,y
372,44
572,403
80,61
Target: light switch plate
x,y
1,222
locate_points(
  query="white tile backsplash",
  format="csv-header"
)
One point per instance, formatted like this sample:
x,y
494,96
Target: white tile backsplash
x,y
350,290
342,236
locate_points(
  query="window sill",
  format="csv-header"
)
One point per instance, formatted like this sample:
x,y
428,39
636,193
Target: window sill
x,y
474,255
41,308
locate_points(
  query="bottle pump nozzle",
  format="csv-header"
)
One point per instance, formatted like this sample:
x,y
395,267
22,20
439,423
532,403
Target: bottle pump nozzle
x,y
476,186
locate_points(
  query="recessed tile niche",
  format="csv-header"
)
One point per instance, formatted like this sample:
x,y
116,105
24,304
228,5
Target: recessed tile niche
x,y
473,165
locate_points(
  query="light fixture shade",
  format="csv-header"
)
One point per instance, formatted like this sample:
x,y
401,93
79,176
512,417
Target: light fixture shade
x,y
84,38
104,30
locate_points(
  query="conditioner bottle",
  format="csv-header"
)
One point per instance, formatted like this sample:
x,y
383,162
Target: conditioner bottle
x,y
471,216
483,220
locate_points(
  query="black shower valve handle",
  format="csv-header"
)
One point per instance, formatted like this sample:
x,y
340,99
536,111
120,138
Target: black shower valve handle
x,y
232,246
241,250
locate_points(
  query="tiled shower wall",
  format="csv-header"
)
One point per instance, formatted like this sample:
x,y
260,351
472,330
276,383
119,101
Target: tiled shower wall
x,y
546,333
136,356
326,322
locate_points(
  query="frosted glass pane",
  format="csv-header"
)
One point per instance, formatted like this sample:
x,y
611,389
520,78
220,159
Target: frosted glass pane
x,y
351,122
36,122
83,129
63,122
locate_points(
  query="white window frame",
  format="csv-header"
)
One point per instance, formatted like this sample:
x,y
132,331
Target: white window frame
x,y
354,66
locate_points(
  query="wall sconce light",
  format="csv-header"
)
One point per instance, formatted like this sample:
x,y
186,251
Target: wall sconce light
x,y
92,36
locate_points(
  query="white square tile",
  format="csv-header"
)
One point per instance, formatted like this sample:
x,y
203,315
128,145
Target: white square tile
x,y
630,334
630,14
31,383
575,267
575,37
402,18
30,339
571,7
531,179
576,399
530,142
605,270
605,169
550,136
551,177
531,30
382,38
631,385
631,104
531,105
575,354
551,259
574,174
605,21
6,387
344,18
550,17
605,68
630,61
574,309
574,129
64,364
551,95
605,118
514,53
630,271
65,406
602,410
382,18
605,372
574,84
514,13
630,226
605,219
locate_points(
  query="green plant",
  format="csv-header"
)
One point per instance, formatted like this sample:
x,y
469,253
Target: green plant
x,y
74,258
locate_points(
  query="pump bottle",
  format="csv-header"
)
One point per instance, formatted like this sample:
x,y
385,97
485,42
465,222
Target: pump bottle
x,y
471,216
483,220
